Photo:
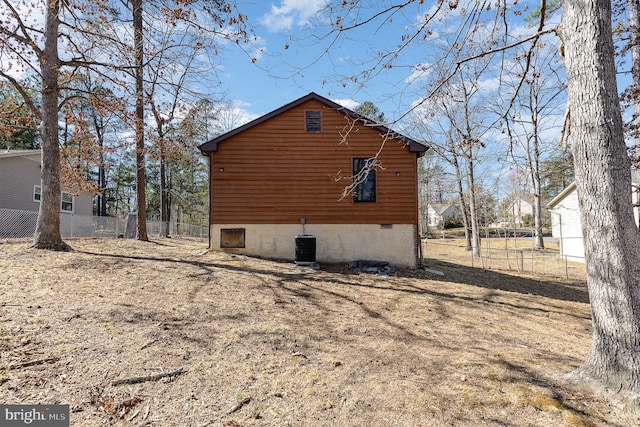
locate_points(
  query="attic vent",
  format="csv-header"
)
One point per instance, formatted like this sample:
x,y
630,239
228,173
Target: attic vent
x,y
313,121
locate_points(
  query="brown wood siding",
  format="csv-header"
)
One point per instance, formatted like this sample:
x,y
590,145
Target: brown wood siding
x,y
276,173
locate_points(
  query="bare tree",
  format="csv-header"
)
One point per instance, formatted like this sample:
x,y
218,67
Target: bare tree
x,y
453,117
166,143
468,142
138,53
535,111
21,44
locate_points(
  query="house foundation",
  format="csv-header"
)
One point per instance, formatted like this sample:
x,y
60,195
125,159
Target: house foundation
x,y
334,242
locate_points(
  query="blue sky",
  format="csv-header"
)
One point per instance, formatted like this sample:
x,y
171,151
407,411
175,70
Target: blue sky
x,y
274,80
256,89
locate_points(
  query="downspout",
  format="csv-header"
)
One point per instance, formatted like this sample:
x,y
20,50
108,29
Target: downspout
x,y
418,254
210,199
560,228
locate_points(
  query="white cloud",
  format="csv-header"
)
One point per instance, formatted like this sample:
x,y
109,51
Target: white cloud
x,y
419,72
491,84
231,115
291,12
348,103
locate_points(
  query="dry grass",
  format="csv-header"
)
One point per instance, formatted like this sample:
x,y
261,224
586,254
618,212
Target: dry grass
x,y
266,343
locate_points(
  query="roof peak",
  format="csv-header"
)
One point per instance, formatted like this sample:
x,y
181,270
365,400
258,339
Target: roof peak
x,y
414,146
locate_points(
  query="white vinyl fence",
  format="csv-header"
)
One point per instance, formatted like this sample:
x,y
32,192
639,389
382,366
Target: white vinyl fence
x,y
17,224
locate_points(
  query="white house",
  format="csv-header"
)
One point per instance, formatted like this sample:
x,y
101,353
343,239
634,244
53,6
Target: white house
x,y
20,197
438,213
567,225
519,209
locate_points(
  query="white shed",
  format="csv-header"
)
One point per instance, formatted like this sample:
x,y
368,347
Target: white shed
x,y
567,225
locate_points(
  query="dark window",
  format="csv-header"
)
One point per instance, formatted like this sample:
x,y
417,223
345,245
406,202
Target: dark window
x,y
364,179
66,202
313,121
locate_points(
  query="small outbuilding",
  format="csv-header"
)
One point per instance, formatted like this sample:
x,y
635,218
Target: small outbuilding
x,y
566,222
284,174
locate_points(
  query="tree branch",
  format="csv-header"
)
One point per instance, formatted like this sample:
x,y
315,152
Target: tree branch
x,y
156,377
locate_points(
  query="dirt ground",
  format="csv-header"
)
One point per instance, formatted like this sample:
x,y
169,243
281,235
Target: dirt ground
x,y
240,341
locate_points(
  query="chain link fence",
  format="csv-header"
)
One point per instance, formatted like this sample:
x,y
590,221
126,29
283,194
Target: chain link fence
x,y
18,224
513,254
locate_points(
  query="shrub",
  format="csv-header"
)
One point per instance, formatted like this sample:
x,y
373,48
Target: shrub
x,y
452,223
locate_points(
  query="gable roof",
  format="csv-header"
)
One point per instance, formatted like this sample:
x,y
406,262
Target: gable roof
x,y
413,145
564,193
442,208
449,208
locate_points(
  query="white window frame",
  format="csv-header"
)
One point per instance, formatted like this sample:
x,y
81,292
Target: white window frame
x,y
37,194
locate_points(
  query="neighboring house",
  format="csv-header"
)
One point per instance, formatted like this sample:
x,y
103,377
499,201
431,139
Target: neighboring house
x,y
284,173
437,214
20,196
567,225
518,210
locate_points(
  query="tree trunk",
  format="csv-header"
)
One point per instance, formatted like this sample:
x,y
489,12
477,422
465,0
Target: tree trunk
x,y
473,210
633,9
98,126
141,177
533,159
537,196
603,180
102,181
463,204
47,235
164,189
538,238
164,201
